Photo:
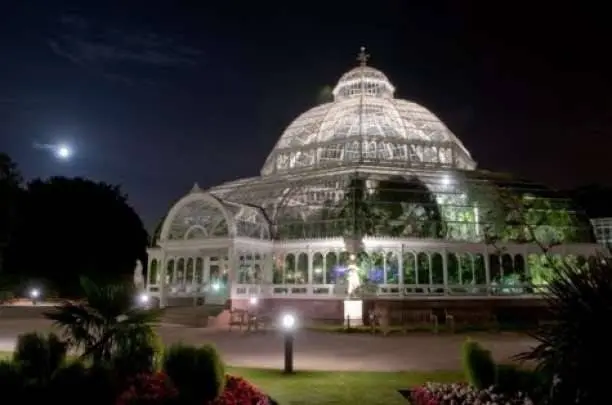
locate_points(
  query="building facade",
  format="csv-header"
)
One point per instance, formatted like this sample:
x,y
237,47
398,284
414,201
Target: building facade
x,y
373,185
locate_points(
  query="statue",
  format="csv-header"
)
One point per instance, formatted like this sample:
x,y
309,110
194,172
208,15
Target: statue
x,y
353,280
139,281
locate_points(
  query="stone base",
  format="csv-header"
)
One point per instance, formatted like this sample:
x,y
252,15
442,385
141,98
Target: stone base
x,y
528,311
353,312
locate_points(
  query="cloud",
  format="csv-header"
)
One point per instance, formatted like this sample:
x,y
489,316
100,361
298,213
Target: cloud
x,y
112,50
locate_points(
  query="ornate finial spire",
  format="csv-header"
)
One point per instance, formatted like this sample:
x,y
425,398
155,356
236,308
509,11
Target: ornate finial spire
x,y
196,188
363,56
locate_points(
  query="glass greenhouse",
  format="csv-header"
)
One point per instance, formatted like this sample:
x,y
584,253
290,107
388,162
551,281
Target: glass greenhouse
x,y
372,184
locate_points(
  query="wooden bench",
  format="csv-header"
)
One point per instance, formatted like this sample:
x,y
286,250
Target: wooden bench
x,y
239,318
257,322
419,317
474,317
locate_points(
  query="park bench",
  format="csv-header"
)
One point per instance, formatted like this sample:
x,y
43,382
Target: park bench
x,y
238,317
420,318
473,317
256,322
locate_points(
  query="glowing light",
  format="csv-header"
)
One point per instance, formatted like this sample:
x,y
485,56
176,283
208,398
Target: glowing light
x,y
446,180
216,286
63,151
143,298
34,293
288,321
253,300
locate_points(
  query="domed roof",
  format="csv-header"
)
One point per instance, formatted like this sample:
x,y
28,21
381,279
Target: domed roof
x,y
366,124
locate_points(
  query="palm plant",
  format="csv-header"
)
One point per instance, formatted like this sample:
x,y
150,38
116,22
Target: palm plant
x,y
573,351
106,322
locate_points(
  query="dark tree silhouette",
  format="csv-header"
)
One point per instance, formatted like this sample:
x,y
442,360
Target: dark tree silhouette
x,y
406,207
71,227
11,192
356,210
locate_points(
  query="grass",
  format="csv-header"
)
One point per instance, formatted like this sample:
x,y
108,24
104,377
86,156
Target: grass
x,y
339,388
335,387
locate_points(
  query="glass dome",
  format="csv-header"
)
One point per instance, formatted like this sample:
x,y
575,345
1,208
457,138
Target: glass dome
x,y
366,124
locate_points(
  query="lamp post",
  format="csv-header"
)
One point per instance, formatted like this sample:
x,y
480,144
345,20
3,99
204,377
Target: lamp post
x,y
143,300
288,323
34,295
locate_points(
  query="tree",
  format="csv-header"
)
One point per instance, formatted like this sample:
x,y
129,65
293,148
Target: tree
x,y
408,208
73,226
105,323
356,210
10,195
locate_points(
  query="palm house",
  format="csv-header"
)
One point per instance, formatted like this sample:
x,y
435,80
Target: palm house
x,y
367,195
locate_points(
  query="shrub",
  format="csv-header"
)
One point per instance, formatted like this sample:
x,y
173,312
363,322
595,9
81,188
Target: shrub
x,y
439,394
572,352
511,378
64,381
197,372
139,355
478,365
148,389
39,356
11,379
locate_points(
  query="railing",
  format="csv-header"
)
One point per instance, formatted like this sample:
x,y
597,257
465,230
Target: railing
x,y
386,291
336,291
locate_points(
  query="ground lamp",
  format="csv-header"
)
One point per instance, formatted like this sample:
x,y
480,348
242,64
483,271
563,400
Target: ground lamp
x,y
34,295
143,299
288,325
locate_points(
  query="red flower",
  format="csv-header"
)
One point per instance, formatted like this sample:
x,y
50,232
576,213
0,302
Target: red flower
x,y
239,391
147,389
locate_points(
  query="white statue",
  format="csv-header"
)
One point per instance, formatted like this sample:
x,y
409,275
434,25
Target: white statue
x,y
139,281
353,279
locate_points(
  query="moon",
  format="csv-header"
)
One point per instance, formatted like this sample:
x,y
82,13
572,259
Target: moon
x,y
63,152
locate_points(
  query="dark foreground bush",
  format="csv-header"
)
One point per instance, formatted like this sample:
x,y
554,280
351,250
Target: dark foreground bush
x,y
511,379
478,365
197,373
38,356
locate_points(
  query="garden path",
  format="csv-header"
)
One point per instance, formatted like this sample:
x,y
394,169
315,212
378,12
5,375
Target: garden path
x,y
319,350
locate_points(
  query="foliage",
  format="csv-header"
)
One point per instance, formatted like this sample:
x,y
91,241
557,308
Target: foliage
x,y
141,354
11,193
98,380
239,391
197,372
84,215
511,378
478,365
530,217
105,322
39,356
407,208
439,394
356,211
148,389
11,381
572,351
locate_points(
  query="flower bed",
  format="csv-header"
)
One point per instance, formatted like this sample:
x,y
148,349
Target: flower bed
x,y
463,394
157,389
239,391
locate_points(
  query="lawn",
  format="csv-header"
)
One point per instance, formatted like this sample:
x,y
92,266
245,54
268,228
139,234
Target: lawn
x,y
335,388
339,388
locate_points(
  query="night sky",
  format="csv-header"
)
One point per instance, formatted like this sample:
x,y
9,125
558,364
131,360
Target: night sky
x,y
158,95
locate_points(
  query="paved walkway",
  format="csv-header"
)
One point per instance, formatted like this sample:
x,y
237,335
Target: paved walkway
x,y
319,350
